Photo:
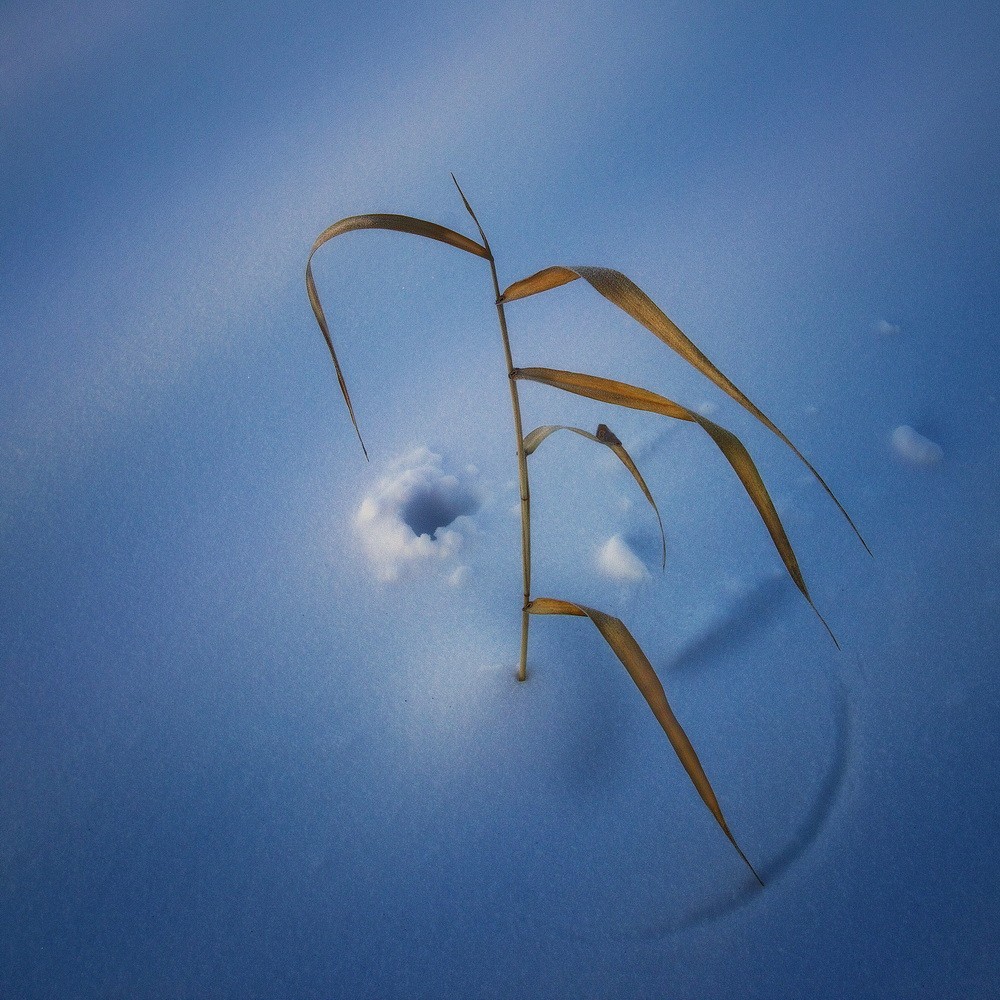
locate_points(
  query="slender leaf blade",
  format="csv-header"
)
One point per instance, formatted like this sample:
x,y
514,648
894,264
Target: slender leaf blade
x,y
475,218
743,465
636,398
400,224
534,438
628,296
604,390
550,277
393,223
606,437
635,661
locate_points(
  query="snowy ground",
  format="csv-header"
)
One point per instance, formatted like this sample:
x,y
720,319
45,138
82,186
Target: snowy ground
x,y
259,738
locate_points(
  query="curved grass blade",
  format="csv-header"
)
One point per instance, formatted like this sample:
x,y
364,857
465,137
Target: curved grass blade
x,y
642,673
394,223
608,438
628,296
633,397
541,281
475,218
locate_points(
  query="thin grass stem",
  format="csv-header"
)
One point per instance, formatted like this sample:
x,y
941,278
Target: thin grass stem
x,y
522,474
522,458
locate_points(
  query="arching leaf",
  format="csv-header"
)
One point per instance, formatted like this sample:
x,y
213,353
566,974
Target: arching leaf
x,y
633,397
628,296
642,673
606,437
394,223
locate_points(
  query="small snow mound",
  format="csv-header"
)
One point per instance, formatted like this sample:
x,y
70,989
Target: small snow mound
x,y
413,517
914,448
618,562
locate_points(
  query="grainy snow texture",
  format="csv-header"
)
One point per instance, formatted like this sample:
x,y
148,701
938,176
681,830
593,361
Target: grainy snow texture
x,y
259,731
913,447
412,518
616,560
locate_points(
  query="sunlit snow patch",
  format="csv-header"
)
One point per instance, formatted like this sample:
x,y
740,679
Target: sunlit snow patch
x,y
415,516
618,562
914,448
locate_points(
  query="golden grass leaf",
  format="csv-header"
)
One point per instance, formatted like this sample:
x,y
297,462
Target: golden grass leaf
x,y
642,673
542,281
628,296
606,437
605,390
623,394
393,223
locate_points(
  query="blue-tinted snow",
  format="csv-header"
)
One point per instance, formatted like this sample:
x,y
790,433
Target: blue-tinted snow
x,y
236,762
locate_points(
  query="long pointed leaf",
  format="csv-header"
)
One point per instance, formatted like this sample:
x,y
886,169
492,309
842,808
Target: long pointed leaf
x,y
606,437
628,296
623,394
468,208
394,223
605,390
642,673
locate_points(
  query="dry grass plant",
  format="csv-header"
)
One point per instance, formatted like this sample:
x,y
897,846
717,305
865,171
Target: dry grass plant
x,y
621,291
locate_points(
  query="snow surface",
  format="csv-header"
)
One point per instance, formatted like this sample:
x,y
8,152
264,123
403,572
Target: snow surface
x,y
616,560
259,726
913,447
415,514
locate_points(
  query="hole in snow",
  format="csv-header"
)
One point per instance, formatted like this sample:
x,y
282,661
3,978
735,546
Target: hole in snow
x,y
431,507
409,519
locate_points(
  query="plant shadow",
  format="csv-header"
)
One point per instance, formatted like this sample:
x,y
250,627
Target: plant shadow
x,y
748,614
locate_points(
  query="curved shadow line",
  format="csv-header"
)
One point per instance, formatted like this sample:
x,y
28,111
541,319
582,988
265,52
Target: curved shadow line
x,y
748,613
808,833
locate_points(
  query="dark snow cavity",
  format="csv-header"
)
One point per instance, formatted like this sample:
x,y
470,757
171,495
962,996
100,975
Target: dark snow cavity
x,y
434,507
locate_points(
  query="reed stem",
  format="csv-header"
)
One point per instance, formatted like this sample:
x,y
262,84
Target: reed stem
x,y
522,474
522,458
